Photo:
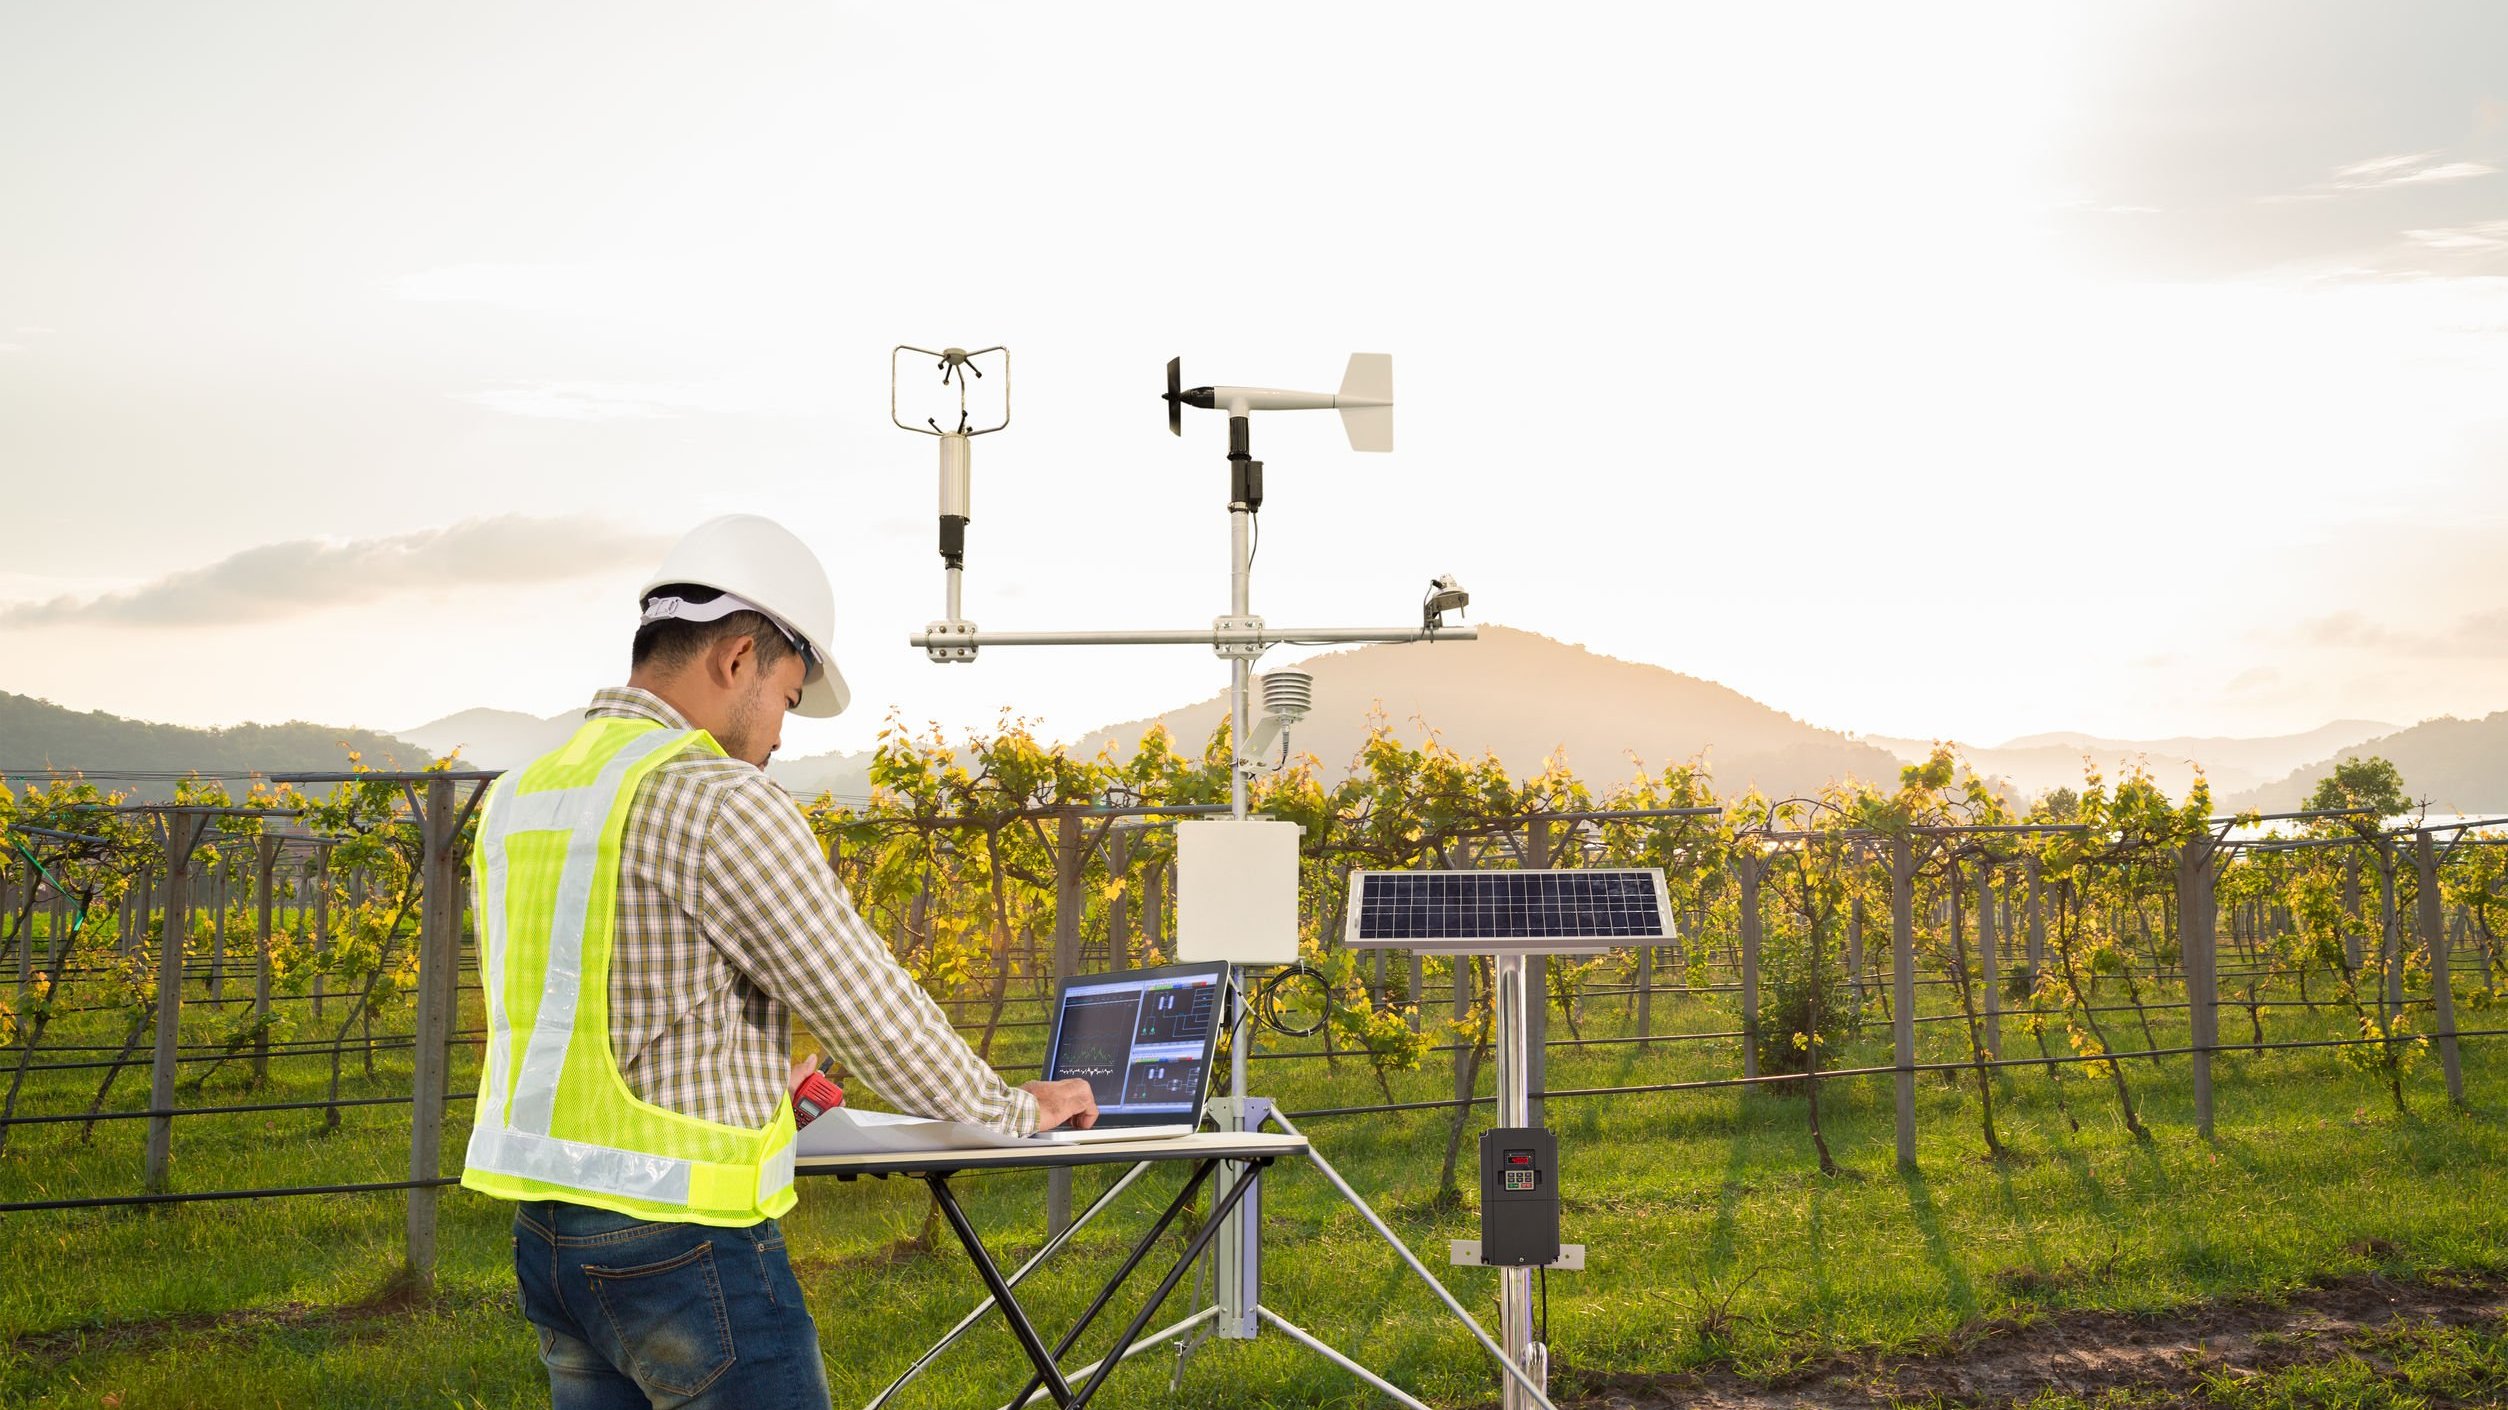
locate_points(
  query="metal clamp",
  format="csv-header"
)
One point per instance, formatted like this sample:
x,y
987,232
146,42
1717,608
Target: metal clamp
x,y
1465,1253
947,642
1239,638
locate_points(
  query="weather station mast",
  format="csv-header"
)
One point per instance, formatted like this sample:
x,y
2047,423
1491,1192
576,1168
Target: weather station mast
x,y
1237,877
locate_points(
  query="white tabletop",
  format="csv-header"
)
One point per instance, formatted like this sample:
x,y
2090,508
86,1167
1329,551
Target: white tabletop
x,y
1201,1145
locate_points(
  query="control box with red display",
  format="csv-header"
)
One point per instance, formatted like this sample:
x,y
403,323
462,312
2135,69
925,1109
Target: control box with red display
x,y
1519,1197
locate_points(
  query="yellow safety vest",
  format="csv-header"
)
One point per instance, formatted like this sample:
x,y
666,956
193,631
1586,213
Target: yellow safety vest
x,y
555,1120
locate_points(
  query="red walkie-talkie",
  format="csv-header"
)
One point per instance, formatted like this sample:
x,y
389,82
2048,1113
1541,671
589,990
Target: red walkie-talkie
x,y
814,1093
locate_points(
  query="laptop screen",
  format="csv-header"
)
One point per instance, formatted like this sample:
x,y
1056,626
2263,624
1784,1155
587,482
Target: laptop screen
x,y
1142,1039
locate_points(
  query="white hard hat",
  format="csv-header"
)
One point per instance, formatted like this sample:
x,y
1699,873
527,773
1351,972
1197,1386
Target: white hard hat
x,y
759,561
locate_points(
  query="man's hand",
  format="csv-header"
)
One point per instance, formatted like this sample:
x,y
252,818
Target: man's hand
x,y
1071,1102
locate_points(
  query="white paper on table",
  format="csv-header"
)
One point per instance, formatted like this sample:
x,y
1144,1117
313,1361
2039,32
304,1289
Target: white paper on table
x,y
845,1131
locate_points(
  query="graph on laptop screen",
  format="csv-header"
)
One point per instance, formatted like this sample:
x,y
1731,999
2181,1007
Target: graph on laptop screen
x,y
1142,1044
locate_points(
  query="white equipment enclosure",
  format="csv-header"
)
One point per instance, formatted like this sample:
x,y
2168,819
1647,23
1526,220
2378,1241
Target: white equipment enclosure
x,y
1237,891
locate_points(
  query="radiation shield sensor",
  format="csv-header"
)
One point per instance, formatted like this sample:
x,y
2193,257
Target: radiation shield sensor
x,y
1287,697
1237,890
1579,912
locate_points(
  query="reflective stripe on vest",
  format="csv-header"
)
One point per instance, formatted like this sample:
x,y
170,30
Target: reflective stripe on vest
x,y
561,1123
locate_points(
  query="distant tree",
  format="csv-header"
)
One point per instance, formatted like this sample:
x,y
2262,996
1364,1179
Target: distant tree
x,y
2361,783
2057,805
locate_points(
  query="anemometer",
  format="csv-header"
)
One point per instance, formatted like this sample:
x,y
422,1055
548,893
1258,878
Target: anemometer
x,y
1237,877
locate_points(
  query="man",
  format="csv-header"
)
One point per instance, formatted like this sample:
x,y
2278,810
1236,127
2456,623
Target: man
x,y
652,909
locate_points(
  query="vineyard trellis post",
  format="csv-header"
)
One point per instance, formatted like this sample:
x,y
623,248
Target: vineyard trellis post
x,y
1419,990
440,817
179,829
2037,918
26,937
320,881
142,908
221,875
2390,957
1991,961
2198,938
2351,908
1855,950
265,873
1119,904
1903,994
2442,986
1748,868
1645,992
1154,906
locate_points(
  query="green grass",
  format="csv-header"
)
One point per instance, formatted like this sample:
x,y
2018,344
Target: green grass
x,y
1712,1238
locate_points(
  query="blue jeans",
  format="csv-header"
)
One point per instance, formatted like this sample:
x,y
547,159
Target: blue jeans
x,y
633,1313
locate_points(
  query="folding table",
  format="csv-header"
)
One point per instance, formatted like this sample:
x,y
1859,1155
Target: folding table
x,y
1205,1150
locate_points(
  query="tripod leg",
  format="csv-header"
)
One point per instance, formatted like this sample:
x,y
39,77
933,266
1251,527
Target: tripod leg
x,y
1308,1340
1498,1353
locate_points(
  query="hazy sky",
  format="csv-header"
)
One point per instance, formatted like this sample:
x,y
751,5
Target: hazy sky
x,y
1926,370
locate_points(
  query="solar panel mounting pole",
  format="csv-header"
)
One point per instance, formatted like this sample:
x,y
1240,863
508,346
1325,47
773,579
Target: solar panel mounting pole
x,y
1515,1285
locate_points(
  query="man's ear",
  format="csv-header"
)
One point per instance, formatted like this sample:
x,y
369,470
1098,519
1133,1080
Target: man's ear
x,y
732,662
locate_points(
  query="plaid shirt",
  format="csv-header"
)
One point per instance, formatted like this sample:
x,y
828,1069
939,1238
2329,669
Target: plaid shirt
x,y
730,920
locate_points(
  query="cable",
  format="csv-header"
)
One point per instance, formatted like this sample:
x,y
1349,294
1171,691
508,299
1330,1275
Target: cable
x,y
1267,1000
1254,519
1541,1277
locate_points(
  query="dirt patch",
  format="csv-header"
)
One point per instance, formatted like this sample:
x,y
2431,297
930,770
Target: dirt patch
x,y
2084,1354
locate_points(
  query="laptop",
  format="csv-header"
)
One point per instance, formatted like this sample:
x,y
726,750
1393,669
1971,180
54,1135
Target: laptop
x,y
1144,1040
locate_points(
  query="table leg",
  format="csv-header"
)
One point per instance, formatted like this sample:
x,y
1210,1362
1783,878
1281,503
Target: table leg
x,y
1020,1327
1228,1200
1201,1172
1037,1261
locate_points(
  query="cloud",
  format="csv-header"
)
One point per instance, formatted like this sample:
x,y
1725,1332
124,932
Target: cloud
x,y
2414,170
2481,237
2383,173
2477,634
304,576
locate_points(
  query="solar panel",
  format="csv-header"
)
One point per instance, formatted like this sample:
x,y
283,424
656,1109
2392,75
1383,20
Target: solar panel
x,y
1488,912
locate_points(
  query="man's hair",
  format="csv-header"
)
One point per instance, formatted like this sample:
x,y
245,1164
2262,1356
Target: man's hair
x,y
671,642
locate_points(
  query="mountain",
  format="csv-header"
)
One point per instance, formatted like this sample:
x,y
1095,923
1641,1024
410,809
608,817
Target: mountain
x,y
2037,763
504,739
848,776
495,739
1525,696
2229,763
1518,694
2458,765
38,737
